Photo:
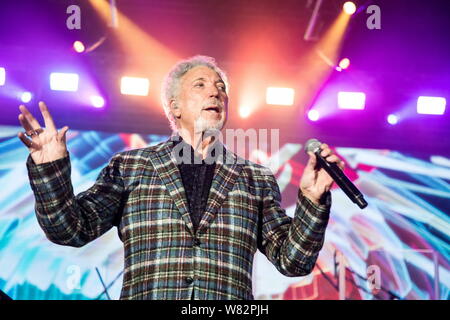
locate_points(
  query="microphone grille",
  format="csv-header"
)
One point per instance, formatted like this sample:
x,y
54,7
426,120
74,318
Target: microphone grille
x,y
312,145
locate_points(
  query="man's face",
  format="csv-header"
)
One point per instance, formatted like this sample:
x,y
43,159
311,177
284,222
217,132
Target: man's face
x,y
202,101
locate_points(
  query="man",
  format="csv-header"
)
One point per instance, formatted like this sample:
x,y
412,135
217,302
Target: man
x,y
190,230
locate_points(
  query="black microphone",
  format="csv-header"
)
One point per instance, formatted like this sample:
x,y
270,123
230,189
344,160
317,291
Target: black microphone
x,y
336,173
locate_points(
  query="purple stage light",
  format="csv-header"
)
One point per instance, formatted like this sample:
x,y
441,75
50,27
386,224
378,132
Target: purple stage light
x,y
2,76
351,100
97,101
26,97
392,119
313,115
64,81
78,46
431,105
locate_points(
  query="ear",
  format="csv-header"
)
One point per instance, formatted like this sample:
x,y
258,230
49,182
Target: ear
x,y
175,109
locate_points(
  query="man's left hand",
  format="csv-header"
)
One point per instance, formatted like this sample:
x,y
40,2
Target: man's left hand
x,y
316,181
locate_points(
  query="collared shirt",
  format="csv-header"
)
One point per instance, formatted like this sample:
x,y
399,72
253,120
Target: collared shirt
x,y
197,176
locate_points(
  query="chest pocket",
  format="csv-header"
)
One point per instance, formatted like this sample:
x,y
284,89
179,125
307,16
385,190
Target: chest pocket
x,y
240,209
150,212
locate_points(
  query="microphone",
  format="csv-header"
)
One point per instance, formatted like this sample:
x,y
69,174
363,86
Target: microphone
x,y
336,173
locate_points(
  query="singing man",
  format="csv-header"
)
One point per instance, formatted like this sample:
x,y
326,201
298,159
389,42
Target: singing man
x,y
190,229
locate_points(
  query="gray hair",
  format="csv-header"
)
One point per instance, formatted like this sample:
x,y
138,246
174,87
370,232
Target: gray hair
x,y
171,85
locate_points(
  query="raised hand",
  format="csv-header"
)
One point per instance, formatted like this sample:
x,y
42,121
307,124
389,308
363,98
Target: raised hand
x,y
45,144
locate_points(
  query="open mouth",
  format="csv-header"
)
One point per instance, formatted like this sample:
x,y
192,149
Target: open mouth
x,y
213,109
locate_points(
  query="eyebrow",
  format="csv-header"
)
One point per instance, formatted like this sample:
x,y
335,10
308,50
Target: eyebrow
x,y
203,79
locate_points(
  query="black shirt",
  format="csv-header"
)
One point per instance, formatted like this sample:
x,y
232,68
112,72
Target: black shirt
x,y
197,176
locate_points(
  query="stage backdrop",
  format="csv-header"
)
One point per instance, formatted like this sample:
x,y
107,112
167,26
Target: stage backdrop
x,y
397,248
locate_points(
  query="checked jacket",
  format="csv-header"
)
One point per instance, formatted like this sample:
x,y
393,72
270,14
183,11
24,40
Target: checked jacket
x,y
141,192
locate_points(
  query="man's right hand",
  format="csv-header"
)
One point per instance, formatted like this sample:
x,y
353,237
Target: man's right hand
x,y
46,144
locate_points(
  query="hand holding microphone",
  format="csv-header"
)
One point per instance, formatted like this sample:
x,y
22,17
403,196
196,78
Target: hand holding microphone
x,y
315,182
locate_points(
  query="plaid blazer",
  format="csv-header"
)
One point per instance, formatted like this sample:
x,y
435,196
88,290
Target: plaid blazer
x,y
141,192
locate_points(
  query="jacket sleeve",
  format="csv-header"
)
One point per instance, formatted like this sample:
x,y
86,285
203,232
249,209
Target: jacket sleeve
x,y
292,244
75,220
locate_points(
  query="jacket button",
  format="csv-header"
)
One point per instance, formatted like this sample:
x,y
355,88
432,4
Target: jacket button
x,y
189,280
197,242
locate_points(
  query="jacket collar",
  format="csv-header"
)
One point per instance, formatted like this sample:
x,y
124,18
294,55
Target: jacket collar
x,y
228,169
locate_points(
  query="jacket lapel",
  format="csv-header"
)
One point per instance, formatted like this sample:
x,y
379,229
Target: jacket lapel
x,y
225,175
165,164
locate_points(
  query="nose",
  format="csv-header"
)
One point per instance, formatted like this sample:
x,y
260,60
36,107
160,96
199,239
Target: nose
x,y
213,91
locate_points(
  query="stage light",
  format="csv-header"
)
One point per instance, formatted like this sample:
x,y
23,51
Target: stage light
x,y
392,119
63,81
280,96
134,86
78,46
313,115
2,76
244,112
431,105
344,64
97,102
351,100
349,8
26,97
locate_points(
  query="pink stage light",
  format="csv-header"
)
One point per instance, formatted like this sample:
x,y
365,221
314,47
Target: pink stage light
x,y
134,86
244,112
97,102
280,96
431,105
344,63
351,100
313,115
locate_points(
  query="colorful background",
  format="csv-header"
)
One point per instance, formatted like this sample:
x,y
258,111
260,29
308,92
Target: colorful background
x,y
397,248
399,240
